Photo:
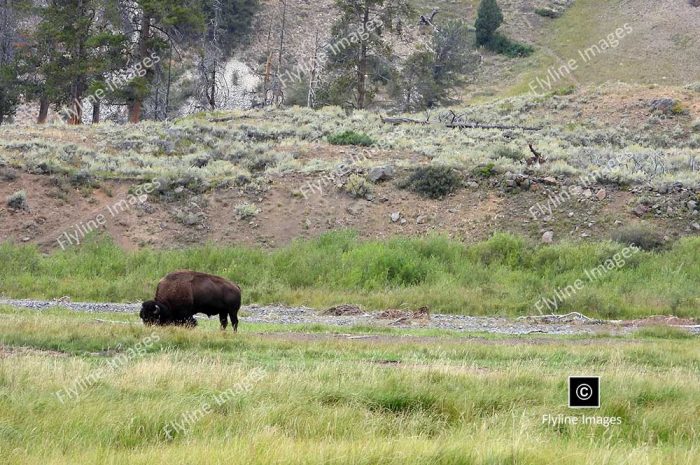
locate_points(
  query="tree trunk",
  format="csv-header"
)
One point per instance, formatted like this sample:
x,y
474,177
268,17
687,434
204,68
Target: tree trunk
x,y
96,112
135,111
312,77
136,102
212,97
43,109
268,66
284,25
362,65
76,114
7,32
170,65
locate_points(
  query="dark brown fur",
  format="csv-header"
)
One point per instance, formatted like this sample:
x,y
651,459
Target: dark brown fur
x,y
183,293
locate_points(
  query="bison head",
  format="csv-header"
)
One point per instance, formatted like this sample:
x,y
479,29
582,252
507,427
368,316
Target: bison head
x,y
153,313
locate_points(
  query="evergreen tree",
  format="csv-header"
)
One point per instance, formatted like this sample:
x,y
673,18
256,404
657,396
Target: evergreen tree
x,y
489,18
415,87
75,49
158,23
359,55
9,91
427,76
10,84
66,28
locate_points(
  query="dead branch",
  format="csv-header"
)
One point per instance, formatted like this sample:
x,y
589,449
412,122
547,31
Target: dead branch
x,y
112,321
473,125
536,156
222,119
398,120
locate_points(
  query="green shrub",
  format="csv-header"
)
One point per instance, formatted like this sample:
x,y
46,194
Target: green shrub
x,y
8,174
180,184
679,109
260,162
434,181
246,211
511,153
510,48
83,179
639,235
486,170
357,186
350,138
695,86
566,90
17,201
547,12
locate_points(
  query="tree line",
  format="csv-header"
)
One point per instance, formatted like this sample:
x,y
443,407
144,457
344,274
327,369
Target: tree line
x,y
61,52
65,54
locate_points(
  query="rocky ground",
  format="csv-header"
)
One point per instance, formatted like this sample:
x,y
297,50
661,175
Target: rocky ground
x,y
527,206
350,315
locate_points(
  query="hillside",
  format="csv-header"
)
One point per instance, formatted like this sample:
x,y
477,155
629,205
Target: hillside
x,y
264,177
663,47
648,42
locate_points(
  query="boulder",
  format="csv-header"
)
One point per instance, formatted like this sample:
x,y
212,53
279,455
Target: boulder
x,y
548,237
381,173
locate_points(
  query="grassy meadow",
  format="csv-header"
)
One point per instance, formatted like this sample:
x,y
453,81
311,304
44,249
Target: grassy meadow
x,y
505,275
394,398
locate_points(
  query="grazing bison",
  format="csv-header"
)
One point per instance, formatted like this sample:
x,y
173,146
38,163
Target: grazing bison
x,y
181,294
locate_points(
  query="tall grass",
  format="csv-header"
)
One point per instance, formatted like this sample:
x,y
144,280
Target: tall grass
x,y
443,400
503,275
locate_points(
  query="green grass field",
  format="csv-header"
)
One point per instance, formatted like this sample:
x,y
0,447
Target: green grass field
x,y
505,275
313,398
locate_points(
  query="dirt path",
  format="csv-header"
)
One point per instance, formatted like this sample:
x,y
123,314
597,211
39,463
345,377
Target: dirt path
x,y
348,316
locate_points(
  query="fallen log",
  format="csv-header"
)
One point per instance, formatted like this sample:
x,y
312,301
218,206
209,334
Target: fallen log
x,y
222,119
472,125
399,120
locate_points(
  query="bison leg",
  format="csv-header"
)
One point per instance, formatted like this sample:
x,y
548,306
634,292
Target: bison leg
x,y
223,319
234,321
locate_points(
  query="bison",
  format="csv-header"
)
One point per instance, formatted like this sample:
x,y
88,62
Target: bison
x,y
183,293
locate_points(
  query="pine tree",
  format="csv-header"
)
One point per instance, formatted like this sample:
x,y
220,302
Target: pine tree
x,y
489,18
359,53
10,84
9,91
67,24
157,22
428,76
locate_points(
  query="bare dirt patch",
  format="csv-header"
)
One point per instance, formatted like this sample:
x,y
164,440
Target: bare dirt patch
x,y
15,351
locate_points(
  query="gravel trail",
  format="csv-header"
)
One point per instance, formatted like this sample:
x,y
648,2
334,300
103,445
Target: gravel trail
x,y
570,324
